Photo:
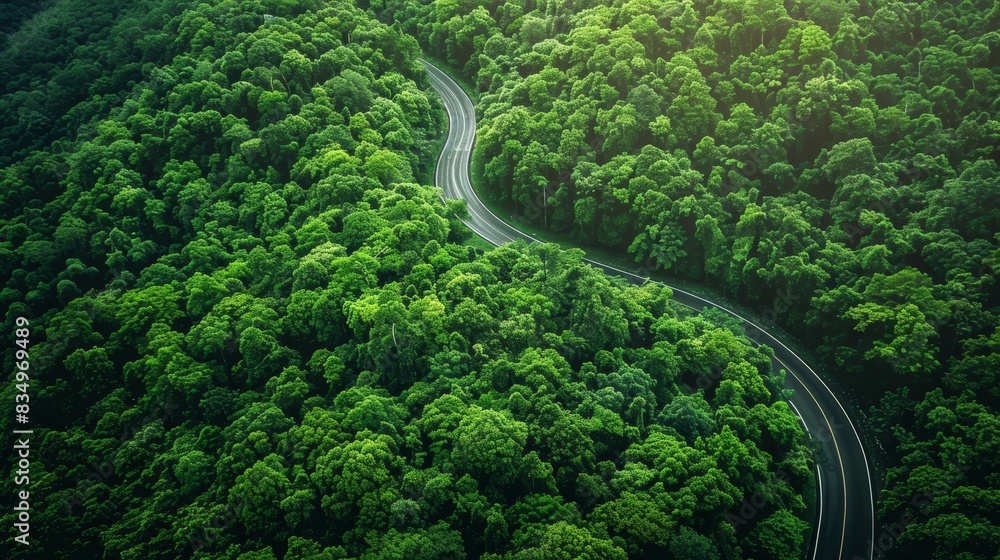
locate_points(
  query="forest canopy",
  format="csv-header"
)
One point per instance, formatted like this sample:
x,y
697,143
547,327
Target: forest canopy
x,y
257,333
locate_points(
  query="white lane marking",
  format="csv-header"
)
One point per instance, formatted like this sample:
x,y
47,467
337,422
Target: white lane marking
x,y
457,169
819,480
445,80
453,172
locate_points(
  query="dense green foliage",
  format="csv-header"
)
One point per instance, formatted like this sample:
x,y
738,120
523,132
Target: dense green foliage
x,y
256,335
944,484
13,13
73,63
835,160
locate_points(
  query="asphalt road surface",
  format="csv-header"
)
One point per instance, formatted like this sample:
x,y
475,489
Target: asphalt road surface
x,y
845,524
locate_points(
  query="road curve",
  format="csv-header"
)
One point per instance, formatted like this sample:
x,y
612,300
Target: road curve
x,y
845,524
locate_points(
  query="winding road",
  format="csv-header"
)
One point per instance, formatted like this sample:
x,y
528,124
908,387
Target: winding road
x,y
845,524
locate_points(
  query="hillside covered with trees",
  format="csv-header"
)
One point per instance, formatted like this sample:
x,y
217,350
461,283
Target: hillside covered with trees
x,y
256,333
835,160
